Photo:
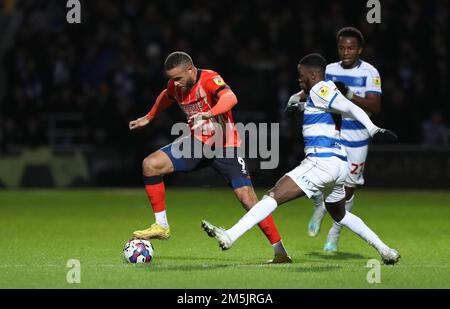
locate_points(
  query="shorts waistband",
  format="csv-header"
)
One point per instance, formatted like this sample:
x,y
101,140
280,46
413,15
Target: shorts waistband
x,y
326,155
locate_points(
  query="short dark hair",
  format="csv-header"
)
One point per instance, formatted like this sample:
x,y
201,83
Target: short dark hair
x,y
176,59
314,61
351,32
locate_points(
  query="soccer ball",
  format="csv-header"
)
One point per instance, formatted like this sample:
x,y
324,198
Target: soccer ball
x,y
138,251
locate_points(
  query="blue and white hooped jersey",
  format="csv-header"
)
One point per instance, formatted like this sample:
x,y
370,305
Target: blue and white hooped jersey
x,y
362,79
321,127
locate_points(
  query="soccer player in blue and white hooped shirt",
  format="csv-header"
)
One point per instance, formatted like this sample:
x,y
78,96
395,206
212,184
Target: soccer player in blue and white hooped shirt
x,y
360,82
324,169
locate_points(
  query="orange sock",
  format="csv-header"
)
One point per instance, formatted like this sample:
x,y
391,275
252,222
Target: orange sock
x,y
154,186
270,229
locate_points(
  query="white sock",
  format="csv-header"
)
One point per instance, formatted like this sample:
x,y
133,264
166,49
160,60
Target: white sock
x,y
335,230
161,218
349,203
255,215
319,205
279,249
355,224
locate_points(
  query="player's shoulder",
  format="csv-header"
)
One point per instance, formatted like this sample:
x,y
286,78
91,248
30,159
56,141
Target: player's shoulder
x,y
324,90
323,84
366,66
212,77
209,74
333,66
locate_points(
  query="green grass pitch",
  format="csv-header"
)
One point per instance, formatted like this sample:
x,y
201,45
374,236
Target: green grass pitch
x,y
41,230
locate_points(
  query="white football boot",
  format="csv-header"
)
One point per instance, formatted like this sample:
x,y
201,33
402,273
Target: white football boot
x,y
390,256
315,223
331,245
218,233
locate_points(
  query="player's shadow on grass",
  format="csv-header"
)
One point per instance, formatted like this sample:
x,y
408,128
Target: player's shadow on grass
x,y
337,256
285,267
315,269
192,267
185,258
211,263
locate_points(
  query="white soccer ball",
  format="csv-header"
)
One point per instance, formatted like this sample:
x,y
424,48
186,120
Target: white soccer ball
x,y
138,251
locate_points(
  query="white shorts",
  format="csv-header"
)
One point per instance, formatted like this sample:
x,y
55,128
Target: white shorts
x,y
356,158
321,175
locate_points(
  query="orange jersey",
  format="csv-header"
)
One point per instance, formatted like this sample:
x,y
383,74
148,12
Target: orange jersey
x,y
202,97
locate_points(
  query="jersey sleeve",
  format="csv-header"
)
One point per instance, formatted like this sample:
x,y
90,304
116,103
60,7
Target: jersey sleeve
x,y
216,85
170,90
162,102
323,95
373,81
344,106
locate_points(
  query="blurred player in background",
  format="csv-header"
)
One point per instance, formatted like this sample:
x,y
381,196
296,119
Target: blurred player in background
x,y
359,82
207,101
324,169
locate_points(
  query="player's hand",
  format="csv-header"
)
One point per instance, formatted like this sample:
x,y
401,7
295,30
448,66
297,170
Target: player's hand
x,y
343,88
201,115
294,105
138,123
198,119
383,135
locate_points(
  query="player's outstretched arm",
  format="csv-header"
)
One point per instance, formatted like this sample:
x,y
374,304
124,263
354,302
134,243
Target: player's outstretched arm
x,y
295,105
384,135
371,103
138,123
162,102
343,105
227,100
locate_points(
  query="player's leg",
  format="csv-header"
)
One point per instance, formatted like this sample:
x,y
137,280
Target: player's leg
x,y
335,204
299,182
164,161
235,171
356,160
332,242
283,191
319,212
247,196
154,167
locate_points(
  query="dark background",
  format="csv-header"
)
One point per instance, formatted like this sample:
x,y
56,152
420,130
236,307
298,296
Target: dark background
x,y
75,87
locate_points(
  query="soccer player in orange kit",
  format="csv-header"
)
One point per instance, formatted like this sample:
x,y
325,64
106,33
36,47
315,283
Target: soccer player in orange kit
x,y
207,101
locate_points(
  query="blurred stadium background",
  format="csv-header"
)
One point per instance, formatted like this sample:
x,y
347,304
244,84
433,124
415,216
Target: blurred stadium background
x,y
67,91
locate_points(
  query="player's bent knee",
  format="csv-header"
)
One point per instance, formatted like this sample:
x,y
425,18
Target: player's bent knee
x,y
147,167
247,201
153,165
285,190
247,197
